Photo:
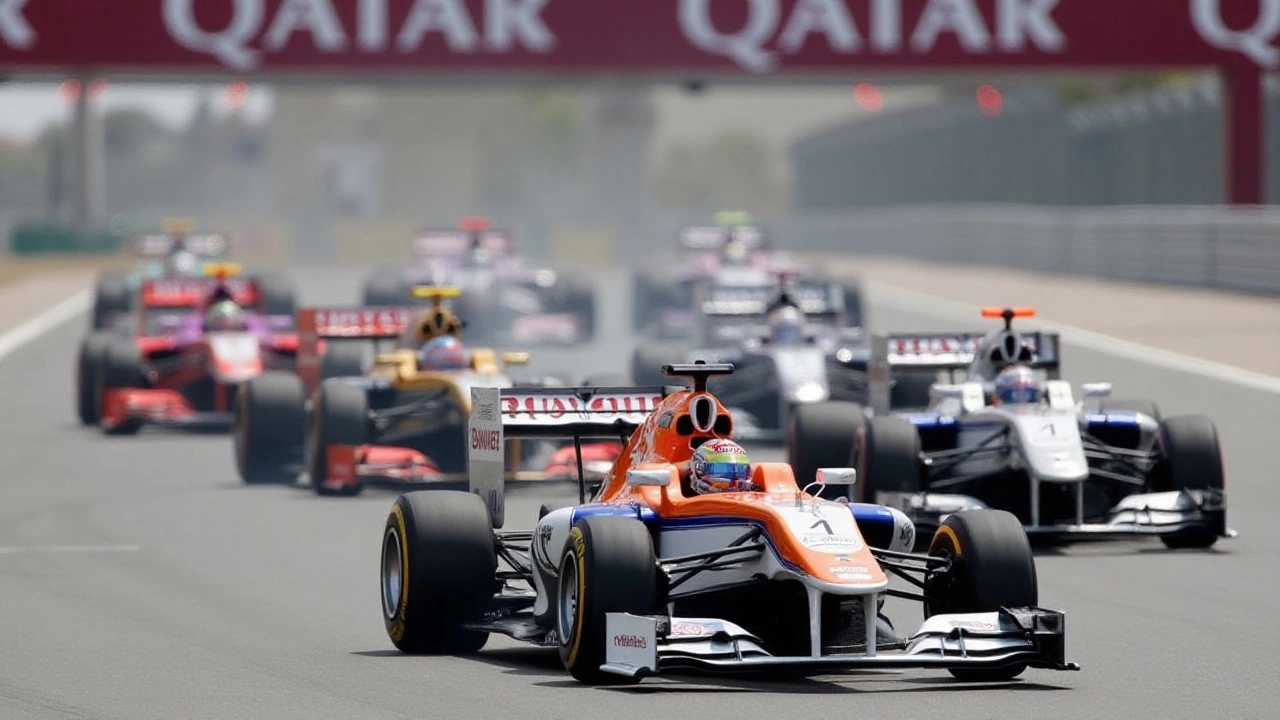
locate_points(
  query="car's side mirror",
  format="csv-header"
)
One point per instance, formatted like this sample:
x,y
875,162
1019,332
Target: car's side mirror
x,y
1058,393
941,390
837,475
648,478
1096,390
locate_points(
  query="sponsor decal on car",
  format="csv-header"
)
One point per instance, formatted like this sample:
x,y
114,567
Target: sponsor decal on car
x,y
834,544
691,629
630,641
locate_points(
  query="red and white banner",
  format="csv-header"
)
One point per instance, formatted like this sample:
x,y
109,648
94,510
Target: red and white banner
x,y
640,36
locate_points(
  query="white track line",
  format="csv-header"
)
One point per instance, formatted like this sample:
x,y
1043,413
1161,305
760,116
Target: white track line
x,y
44,322
926,304
34,549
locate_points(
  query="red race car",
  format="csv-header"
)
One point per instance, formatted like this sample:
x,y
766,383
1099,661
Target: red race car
x,y
182,365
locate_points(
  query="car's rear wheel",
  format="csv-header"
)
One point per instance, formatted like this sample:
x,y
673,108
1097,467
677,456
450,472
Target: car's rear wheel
x,y
911,390
437,571
991,567
277,294
608,565
822,434
386,287
1191,459
343,359
888,458
269,428
339,416
111,298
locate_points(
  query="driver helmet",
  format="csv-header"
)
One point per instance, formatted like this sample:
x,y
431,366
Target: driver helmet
x,y
786,325
1017,385
720,466
442,353
735,251
224,315
183,263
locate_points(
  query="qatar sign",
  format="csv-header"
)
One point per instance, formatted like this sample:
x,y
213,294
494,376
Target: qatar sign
x,y
633,36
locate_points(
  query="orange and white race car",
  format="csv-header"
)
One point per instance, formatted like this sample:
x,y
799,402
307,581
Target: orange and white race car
x,y
650,576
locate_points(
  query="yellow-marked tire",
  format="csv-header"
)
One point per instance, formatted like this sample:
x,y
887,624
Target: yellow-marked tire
x,y
437,571
992,567
608,565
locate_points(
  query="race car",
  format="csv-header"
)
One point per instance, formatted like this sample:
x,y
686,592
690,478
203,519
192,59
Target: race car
x,y
1009,434
732,254
175,253
789,345
402,420
505,300
651,576
180,366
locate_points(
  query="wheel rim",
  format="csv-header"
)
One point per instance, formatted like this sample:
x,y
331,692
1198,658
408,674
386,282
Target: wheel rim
x,y
392,579
567,617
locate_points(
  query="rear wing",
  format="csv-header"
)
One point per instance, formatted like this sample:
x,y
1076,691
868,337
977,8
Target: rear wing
x,y
954,351
715,237
344,323
192,292
453,243
163,245
500,414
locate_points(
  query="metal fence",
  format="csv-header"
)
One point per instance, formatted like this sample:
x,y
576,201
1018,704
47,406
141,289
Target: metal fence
x,y
1147,147
1212,246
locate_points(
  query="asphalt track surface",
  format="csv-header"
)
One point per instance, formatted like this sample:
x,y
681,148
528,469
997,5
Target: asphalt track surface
x,y
139,579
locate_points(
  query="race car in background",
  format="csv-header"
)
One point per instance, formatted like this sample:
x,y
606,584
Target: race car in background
x,y
732,254
1070,471
174,368
649,577
394,422
790,345
175,253
505,300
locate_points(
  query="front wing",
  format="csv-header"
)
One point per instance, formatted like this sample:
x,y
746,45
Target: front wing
x,y
1139,515
638,646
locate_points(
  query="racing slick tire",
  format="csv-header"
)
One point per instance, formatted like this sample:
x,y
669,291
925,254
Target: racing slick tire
x,y
1191,459
821,435
386,287
437,572
122,367
647,362
343,359
338,417
278,296
643,296
992,567
911,390
888,458
608,565
606,380
852,304
1144,407
269,428
92,351
111,297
